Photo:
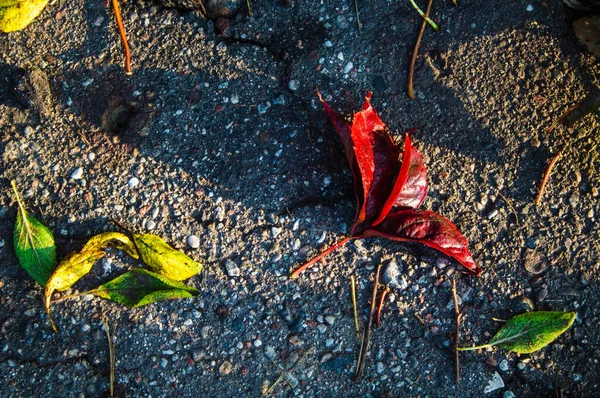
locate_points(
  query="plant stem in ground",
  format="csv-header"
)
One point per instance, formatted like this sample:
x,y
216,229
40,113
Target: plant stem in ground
x,y
360,366
304,266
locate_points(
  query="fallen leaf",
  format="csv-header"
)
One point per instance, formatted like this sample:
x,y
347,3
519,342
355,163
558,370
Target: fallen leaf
x,y
16,15
70,270
529,332
389,190
34,244
111,239
140,287
165,260
428,228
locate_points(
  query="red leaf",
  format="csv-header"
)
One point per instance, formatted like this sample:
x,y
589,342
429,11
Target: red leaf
x,y
429,228
377,157
343,128
410,188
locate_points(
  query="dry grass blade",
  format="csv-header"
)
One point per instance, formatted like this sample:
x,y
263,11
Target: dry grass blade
x,y
538,200
353,292
413,61
380,306
117,11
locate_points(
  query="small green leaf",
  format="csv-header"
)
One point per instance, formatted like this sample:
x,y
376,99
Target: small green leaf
x,y
16,15
34,244
115,239
531,331
165,260
140,287
70,270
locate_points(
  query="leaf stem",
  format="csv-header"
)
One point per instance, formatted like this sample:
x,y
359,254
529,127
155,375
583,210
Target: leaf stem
x,y
117,12
111,355
457,318
473,348
304,266
413,61
13,183
47,302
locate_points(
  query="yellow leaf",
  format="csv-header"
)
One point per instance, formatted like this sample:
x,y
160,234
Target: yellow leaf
x,y
70,270
163,259
15,15
115,239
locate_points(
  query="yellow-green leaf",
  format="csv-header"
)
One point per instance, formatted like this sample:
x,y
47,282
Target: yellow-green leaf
x,y
140,287
163,259
70,270
8,3
16,15
531,331
34,244
111,239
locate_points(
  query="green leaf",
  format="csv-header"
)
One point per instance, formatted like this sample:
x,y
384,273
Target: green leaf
x,y
111,239
34,244
140,287
531,331
165,260
70,270
16,15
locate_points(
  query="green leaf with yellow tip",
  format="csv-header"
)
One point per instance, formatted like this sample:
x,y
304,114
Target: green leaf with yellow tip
x,y
163,259
34,244
140,287
529,332
16,15
70,270
111,239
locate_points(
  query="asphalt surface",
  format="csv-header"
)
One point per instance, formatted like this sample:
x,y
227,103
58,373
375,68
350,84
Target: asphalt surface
x,y
218,134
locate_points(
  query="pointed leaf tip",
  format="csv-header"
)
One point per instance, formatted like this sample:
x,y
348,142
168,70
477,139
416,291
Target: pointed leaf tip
x,y
531,331
33,243
429,228
165,260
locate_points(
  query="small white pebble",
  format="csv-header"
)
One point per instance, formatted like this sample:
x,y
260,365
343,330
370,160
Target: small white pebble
x,y
348,67
150,225
529,8
193,241
87,82
133,182
257,343
77,173
85,328
91,156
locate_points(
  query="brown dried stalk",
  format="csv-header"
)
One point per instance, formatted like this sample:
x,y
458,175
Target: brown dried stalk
x,y
411,69
380,306
360,366
457,317
117,11
538,200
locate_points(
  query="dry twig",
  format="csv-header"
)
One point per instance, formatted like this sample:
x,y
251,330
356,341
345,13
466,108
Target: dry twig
x,y
411,69
538,200
357,15
117,11
360,365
